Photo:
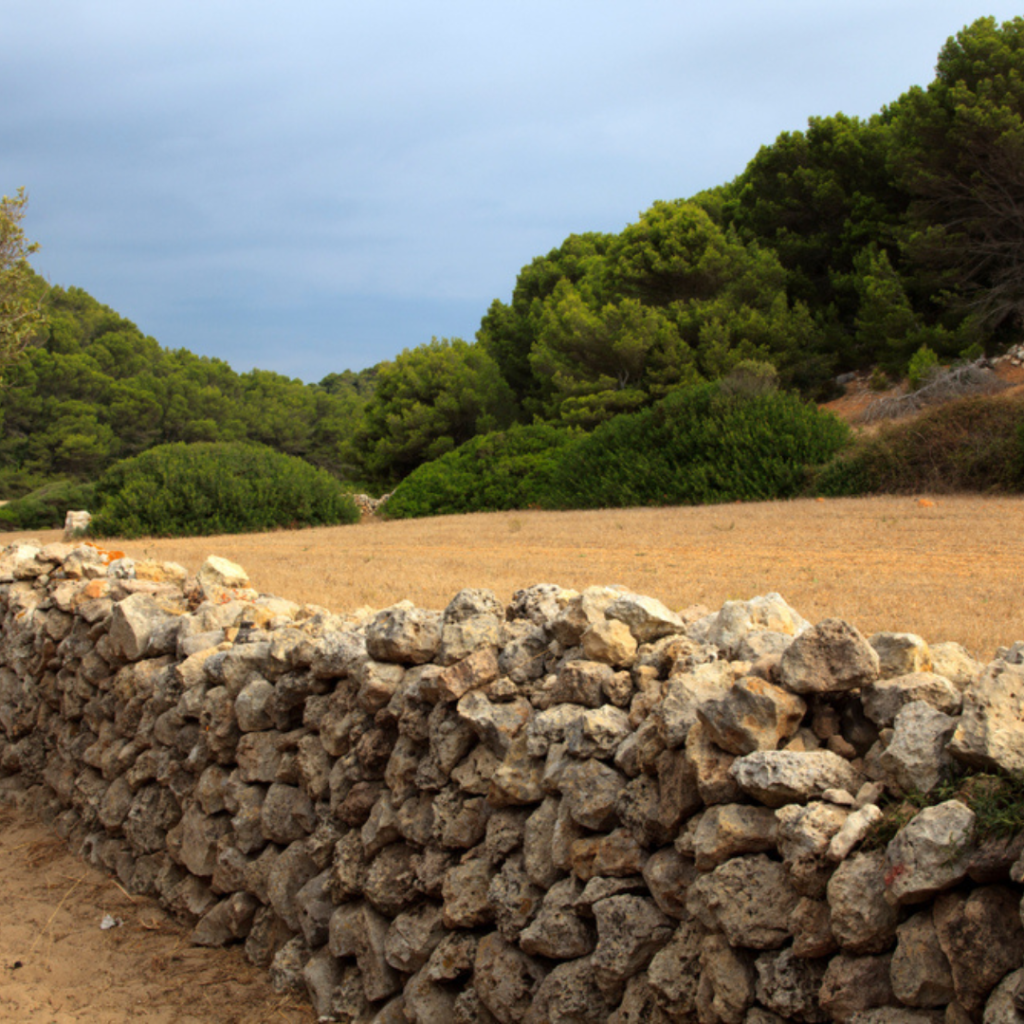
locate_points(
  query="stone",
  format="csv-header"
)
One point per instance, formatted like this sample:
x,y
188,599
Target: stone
x,y
855,983
856,827
647,618
569,995
915,759
951,661
597,732
930,853
749,899
920,970
581,682
726,988
728,830
668,876
466,888
752,715
537,841
453,958
200,834
738,620
1003,1006
862,919
227,921
779,777
413,936
289,873
630,930
424,1000
990,733
982,937
789,985
505,979
513,898
811,926
615,855
557,931
133,622
884,698
357,930
591,789
674,971
831,657
315,909
404,634
219,572
900,654
495,724
467,636
287,814
391,883
711,765
685,693
611,642
803,836
472,672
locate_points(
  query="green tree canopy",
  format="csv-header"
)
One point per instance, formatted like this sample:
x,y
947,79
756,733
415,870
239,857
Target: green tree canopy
x,y
428,401
20,309
959,150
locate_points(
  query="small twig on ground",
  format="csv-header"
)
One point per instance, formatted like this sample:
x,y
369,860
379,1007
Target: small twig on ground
x,y
56,911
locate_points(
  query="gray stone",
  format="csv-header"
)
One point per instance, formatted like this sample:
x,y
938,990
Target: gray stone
x,y
789,985
647,618
883,699
990,733
739,619
289,873
931,853
466,888
404,634
779,777
916,759
674,971
804,836
830,657
357,930
726,988
558,931
569,995
728,830
413,936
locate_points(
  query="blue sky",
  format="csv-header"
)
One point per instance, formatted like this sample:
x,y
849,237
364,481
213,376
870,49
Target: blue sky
x,y
314,186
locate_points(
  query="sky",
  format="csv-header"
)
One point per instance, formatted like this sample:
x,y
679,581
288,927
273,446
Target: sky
x,y
314,186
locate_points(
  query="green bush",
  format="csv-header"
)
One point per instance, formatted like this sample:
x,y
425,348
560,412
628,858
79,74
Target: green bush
x,y
181,490
697,446
493,472
973,444
45,507
921,365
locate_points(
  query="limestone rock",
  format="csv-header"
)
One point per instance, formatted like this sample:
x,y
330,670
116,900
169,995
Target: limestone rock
x,y
558,931
951,661
404,634
916,758
752,715
884,698
505,979
778,777
982,937
569,995
804,835
609,641
726,988
828,658
991,729
647,618
931,853
900,654
739,619
749,899
862,920
728,830
630,930
920,972
855,983
789,986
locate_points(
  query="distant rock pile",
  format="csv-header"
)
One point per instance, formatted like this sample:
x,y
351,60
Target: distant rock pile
x,y
369,506
580,808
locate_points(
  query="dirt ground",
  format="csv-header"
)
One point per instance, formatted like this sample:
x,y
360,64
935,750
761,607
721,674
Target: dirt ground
x,y
57,964
948,568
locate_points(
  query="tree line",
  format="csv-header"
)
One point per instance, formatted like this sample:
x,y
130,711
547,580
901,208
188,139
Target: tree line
x,y
853,244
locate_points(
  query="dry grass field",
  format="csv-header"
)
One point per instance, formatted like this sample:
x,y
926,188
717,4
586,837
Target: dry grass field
x,y
947,568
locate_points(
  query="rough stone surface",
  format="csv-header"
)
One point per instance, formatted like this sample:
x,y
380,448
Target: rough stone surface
x,y
830,657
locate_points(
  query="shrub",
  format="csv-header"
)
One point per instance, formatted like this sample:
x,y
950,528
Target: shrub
x,y
973,444
699,445
180,490
922,364
45,507
491,473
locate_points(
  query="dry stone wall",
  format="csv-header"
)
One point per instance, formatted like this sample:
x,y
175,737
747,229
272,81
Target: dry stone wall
x,y
584,807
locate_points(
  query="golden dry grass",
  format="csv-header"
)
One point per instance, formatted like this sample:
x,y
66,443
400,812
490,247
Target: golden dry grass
x,y
947,571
